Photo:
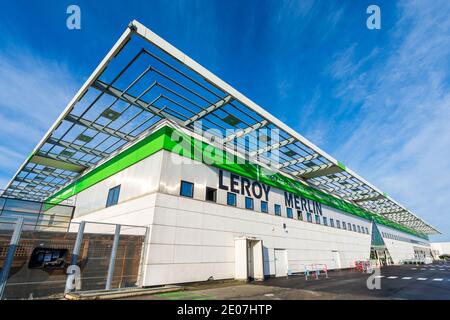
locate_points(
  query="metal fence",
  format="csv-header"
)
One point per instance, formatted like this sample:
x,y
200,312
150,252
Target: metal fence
x,y
46,263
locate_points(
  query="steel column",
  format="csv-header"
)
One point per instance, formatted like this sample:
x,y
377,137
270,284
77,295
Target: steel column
x,y
78,241
112,259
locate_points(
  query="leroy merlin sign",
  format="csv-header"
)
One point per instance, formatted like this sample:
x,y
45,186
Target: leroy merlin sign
x,y
255,189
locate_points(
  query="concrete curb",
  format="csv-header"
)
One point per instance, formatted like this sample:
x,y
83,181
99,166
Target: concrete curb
x,y
118,294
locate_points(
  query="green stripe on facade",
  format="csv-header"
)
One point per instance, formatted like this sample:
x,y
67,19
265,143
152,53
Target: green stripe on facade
x,y
184,145
341,165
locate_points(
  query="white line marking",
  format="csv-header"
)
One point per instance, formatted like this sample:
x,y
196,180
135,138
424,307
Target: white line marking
x,y
413,268
422,279
442,269
423,269
438,279
379,276
407,278
392,277
432,269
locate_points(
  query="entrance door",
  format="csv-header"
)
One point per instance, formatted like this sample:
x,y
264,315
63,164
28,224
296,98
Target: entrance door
x,y
250,267
337,259
280,263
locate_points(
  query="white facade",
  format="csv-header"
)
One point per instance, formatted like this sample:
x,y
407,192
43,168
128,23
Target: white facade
x,y
403,246
191,239
442,248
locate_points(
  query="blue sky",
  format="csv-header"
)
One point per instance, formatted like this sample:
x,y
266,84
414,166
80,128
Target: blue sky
x,y
377,100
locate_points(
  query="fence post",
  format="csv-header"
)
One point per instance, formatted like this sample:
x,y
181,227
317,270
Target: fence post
x,y
10,255
112,259
72,274
78,241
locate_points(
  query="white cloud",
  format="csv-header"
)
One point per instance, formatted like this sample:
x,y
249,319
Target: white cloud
x,y
402,142
34,91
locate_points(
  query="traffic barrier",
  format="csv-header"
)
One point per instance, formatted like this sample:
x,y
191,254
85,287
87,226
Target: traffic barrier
x,y
315,270
364,266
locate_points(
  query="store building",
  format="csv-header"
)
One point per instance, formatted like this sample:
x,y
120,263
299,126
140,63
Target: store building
x,y
226,190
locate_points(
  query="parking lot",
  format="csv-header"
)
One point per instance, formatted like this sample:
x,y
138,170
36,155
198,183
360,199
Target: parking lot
x,y
421,282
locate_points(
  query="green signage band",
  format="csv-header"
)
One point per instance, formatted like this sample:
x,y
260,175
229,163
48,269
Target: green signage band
x,y
172,140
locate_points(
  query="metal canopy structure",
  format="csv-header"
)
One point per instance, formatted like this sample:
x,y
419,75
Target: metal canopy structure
x,y
143,80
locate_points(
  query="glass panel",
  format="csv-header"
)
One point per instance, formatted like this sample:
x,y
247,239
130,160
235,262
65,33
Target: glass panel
x,y
231,199
248,203
277,208
187,189
289,213
317,217
264,207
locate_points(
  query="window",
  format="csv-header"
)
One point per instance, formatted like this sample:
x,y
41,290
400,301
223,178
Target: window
x,y
299,215
309,217
264,207
367,230
325,221
211,194
277,208
332,223
248,203
113,196
354,228
231,199
317,217
338,224
344,225
289,213
359,229
349,226
187,189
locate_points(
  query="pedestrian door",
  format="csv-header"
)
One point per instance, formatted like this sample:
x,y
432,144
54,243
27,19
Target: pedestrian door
x,y
280,263
337,259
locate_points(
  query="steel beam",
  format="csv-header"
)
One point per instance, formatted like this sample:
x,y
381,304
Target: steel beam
x,y
344,187
272,147
49,173
299,160
59,162
318,171
116,93
243,132
92,125
367,197
74,146
211,108
49,184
